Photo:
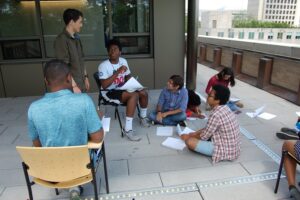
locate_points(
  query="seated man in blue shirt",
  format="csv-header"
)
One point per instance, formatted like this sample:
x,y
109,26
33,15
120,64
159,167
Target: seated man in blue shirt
x,y
62,118
172,103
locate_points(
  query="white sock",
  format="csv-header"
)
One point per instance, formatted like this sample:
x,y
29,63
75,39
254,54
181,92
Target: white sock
x,y
128,124
143,112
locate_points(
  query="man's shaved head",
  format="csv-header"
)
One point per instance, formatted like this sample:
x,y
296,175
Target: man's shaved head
x,y
56,72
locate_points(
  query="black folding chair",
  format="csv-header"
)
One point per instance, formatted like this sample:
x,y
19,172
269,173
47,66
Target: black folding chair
x,y
284,154
103,101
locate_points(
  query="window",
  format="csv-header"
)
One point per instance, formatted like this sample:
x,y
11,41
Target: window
x,y
21,49
251,35
231,34
270,36
261,35
126,20
297,37
220,34
289,36
279,35
214,22
241,35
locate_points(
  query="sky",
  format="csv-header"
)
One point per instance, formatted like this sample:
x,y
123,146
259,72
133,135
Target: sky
x,y
223,4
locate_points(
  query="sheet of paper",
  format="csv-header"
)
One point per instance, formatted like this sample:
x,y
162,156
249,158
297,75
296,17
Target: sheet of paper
x,y
298,114
192,118
233,99
131,85
164,131
186,130
257,112
174,143
106,123
266,116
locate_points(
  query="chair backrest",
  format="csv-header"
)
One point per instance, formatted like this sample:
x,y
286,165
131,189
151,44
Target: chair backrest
x,y
56,164
98,82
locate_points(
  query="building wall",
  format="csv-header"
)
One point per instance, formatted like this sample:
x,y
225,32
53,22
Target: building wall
x,y
168,40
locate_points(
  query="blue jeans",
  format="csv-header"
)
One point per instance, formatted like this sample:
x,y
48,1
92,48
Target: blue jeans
x,y
232,106
171,120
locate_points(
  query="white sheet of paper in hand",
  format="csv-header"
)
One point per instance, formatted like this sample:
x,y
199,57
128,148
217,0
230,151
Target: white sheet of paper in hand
x,y
257,112
266,116
232,99
164,131
174,143
106,123
186,130
131,85
298,113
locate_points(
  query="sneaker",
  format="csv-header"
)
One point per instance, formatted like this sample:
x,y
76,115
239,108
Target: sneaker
x,y
183,123
289,130
295,193
287,136
75,195
145,122
130,135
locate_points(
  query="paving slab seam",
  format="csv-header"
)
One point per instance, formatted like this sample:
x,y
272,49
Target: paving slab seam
x,y
3,130
191,187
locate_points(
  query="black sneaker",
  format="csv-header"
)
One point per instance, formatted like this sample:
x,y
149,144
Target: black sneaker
x,y
289,130
287,136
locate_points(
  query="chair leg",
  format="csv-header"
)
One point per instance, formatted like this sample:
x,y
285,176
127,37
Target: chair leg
x,y
105,168
56,191
119,119
139,111
28,183
284,153
94,181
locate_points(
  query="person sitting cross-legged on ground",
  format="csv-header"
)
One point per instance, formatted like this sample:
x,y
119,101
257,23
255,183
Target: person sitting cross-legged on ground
x,y
172,103
193,107
113,73
290,164
62,118
222,128
225,77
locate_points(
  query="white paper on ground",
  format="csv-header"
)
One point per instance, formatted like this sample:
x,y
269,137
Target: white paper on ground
x,y
266,116
106,123
257,112
192,118
186,130
298,113
131,85
164,131
174,143
232,99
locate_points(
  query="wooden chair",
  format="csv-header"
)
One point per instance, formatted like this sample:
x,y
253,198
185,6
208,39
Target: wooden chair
x,y
103,101
59,167
284,154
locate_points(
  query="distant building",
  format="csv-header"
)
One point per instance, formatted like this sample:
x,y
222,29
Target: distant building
x,y
219,24
287,11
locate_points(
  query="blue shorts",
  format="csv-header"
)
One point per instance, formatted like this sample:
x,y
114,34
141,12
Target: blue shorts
x,y
205,147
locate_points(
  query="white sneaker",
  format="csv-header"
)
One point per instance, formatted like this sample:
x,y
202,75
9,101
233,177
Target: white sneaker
x,y
130,135
145,122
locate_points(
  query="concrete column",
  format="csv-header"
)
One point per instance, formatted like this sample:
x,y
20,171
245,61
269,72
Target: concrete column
x,y
237,58
264,72
217,57
298,96
202,55
192,37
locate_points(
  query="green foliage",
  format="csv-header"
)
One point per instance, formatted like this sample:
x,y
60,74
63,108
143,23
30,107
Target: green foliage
x,y
258,24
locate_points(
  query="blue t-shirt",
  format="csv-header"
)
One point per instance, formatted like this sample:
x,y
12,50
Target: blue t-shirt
x,y
169,100
63,118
